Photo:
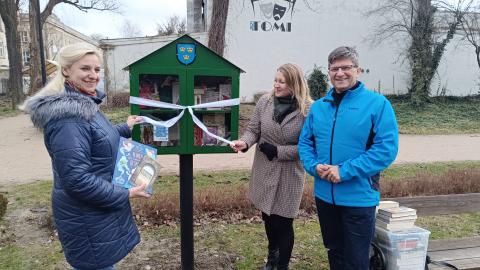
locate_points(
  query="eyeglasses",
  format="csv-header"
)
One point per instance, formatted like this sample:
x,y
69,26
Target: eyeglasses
x,y
343,68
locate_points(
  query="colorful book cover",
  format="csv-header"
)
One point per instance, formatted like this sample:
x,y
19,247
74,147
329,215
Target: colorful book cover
x,y
197,135
129,155
160,134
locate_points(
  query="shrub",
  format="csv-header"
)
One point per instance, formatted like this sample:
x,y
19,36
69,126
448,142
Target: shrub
x,y
258,95
3,205
318,83
120,100
425,184
231,203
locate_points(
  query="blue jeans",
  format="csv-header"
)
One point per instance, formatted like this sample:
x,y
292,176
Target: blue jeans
x,y
106,268
347,233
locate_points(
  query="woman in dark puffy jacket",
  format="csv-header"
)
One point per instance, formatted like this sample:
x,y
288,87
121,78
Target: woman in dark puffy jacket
x,y
93,217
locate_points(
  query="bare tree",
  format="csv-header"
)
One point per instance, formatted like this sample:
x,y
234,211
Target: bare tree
x,y
9,13
130,29
471,31
216,33
83,5
34,62
429,25
173,26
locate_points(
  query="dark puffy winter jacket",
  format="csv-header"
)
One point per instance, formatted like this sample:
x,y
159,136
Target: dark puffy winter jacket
x,y
93,216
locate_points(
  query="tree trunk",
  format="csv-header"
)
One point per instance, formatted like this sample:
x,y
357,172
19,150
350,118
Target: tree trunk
x,y
477,52
216,33
424,54
35,63
8,11
420,53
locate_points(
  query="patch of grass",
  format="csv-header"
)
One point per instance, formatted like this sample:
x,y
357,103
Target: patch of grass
x,y
46,256
451,226
6,108
30,195
167,183
116,115
11,257
445,115
398,171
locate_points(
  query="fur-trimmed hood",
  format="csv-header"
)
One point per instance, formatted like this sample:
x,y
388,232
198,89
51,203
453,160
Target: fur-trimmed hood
x,y
69,104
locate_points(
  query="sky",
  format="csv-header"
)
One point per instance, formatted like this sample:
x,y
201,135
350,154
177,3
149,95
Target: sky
x,y
143,13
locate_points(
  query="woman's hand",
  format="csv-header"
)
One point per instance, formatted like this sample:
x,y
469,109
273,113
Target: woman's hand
x,y
133,119
138,192
238,145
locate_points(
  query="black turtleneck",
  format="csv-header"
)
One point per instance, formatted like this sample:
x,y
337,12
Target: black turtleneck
x,y
337,97
283,106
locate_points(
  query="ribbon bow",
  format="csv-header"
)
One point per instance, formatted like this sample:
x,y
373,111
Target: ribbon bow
x,y
170,122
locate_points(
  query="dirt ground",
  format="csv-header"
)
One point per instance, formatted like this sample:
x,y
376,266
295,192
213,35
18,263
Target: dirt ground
x,y
24,158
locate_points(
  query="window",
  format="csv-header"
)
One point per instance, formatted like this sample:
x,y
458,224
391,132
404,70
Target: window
x,y
24,36
26,57
2,50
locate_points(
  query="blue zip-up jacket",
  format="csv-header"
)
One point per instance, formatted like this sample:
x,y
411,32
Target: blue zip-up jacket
x,y
360,136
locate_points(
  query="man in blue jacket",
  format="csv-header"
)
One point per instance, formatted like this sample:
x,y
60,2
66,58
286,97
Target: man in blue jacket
x,y
348,138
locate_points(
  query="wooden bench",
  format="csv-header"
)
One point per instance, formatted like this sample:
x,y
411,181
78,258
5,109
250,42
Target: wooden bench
x,y
463,253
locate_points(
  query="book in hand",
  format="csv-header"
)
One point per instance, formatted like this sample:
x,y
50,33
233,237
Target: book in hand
x,y
129,155
400,211
145,173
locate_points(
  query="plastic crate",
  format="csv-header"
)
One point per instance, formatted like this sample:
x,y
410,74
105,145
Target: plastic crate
x,y
406,249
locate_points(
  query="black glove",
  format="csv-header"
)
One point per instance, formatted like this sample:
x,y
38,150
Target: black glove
x,y
269,150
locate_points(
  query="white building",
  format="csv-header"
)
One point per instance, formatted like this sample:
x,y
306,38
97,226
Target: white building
x,y
121,52
55,35
3,59
263,34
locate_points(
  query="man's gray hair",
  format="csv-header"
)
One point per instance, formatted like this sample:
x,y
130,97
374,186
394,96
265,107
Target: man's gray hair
x,y
343,52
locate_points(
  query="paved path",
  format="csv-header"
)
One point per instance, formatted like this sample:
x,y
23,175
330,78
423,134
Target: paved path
x,y
24,159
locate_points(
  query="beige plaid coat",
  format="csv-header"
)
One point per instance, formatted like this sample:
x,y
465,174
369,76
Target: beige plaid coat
x,y
276,186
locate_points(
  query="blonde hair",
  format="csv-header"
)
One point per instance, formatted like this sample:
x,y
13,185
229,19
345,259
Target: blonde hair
x,y
295,79
67,56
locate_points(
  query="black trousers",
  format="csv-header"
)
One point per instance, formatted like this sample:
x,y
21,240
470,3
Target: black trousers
x,y
280,236
347,233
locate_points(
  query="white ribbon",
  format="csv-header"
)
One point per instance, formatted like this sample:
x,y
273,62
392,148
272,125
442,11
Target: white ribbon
x,y
170,122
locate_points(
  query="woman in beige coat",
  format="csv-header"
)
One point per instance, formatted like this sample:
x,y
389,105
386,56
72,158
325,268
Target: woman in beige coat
x,y
276,184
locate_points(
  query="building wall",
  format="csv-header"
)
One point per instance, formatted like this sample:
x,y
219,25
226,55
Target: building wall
x,y
55,36
196,17
3,47
3,60
314,28
119,53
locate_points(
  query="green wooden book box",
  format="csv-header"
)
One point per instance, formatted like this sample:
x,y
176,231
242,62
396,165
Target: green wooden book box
x,y
185,72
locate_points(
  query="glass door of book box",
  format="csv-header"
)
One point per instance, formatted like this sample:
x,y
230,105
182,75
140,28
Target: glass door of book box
x,y
212,86
163,86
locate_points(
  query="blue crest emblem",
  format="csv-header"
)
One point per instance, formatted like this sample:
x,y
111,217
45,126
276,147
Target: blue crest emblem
x,y
186,53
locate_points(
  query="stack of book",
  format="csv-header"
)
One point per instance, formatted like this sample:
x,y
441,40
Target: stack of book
x,y
396,218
